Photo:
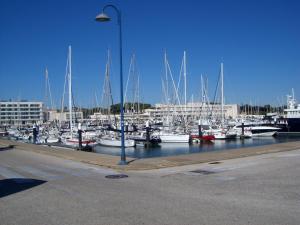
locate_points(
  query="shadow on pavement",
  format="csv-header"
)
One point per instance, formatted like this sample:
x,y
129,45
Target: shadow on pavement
x,y
7,148
12,186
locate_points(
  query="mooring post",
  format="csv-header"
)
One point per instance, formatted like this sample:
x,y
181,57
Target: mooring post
x,y
147,134
199,129
79,136
34,132
243,131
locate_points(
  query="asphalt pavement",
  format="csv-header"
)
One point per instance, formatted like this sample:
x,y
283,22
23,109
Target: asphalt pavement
x,y
39,189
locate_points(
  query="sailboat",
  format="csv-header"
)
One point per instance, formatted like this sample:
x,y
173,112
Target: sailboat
x,y
200,134
48,136
115,142
223,132
111,138
168,134
71,139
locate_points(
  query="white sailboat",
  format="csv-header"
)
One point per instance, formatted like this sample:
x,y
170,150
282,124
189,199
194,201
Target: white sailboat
x,y
223,132
168,135
113,142
174,138
111,138
70,138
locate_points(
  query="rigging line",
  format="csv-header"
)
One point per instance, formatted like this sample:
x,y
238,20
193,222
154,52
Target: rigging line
x,y
177,96
216,90
51,100
132,107
97,102
209,110
66,77
105,81
174,86
180,73
46,93
75,115
164,89
128,77
109,88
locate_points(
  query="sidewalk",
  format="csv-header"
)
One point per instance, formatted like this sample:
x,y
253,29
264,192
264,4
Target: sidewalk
x,y
150,163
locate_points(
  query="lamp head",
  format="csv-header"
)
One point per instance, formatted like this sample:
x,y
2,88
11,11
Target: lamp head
x,y
102,17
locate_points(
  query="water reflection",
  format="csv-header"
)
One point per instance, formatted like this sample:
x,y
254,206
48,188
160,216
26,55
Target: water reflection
x,y
169,149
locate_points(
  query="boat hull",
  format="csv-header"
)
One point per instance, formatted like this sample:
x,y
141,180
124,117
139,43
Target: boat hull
x,y
184,138
289,125
264,134
116,143
224,136
75,142
203,137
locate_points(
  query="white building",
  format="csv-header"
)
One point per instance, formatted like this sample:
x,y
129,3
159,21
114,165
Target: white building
x,y
194,110
21,113
53,115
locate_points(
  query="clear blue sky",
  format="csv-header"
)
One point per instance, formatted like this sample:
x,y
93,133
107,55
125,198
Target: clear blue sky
x,y
258,41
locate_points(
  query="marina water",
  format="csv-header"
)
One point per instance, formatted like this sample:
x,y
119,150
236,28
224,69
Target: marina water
x,y
172,149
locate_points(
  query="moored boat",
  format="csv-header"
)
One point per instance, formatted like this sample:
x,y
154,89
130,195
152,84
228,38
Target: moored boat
x,y
251,130
112,142
174,138
74,142
290,123
208,137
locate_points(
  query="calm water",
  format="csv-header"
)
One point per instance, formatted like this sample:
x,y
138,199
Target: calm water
x,y
169,149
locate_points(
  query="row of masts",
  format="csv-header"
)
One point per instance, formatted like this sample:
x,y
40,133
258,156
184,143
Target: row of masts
x,y
171,97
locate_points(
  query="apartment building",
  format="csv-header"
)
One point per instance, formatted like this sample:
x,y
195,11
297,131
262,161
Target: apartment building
x,y
20,113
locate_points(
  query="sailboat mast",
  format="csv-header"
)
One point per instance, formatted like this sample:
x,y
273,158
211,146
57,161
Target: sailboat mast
x,y
166,75
222,95
192,106
70,91
167,87
184,74
46,88
202,89
138,94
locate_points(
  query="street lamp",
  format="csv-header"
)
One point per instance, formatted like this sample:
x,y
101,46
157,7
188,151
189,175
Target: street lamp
x,y
102,17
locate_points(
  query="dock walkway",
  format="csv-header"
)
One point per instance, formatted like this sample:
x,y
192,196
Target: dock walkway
x,y
110,161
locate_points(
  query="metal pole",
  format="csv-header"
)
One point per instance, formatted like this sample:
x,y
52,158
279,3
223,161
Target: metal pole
x,y
123,154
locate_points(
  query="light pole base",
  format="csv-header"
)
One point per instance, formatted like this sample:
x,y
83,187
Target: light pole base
x,y
122,163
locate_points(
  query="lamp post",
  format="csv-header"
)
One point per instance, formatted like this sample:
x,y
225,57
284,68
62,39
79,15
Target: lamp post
x,y
102,17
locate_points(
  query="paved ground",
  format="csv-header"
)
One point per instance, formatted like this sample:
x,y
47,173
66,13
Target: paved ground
x,y
42,189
